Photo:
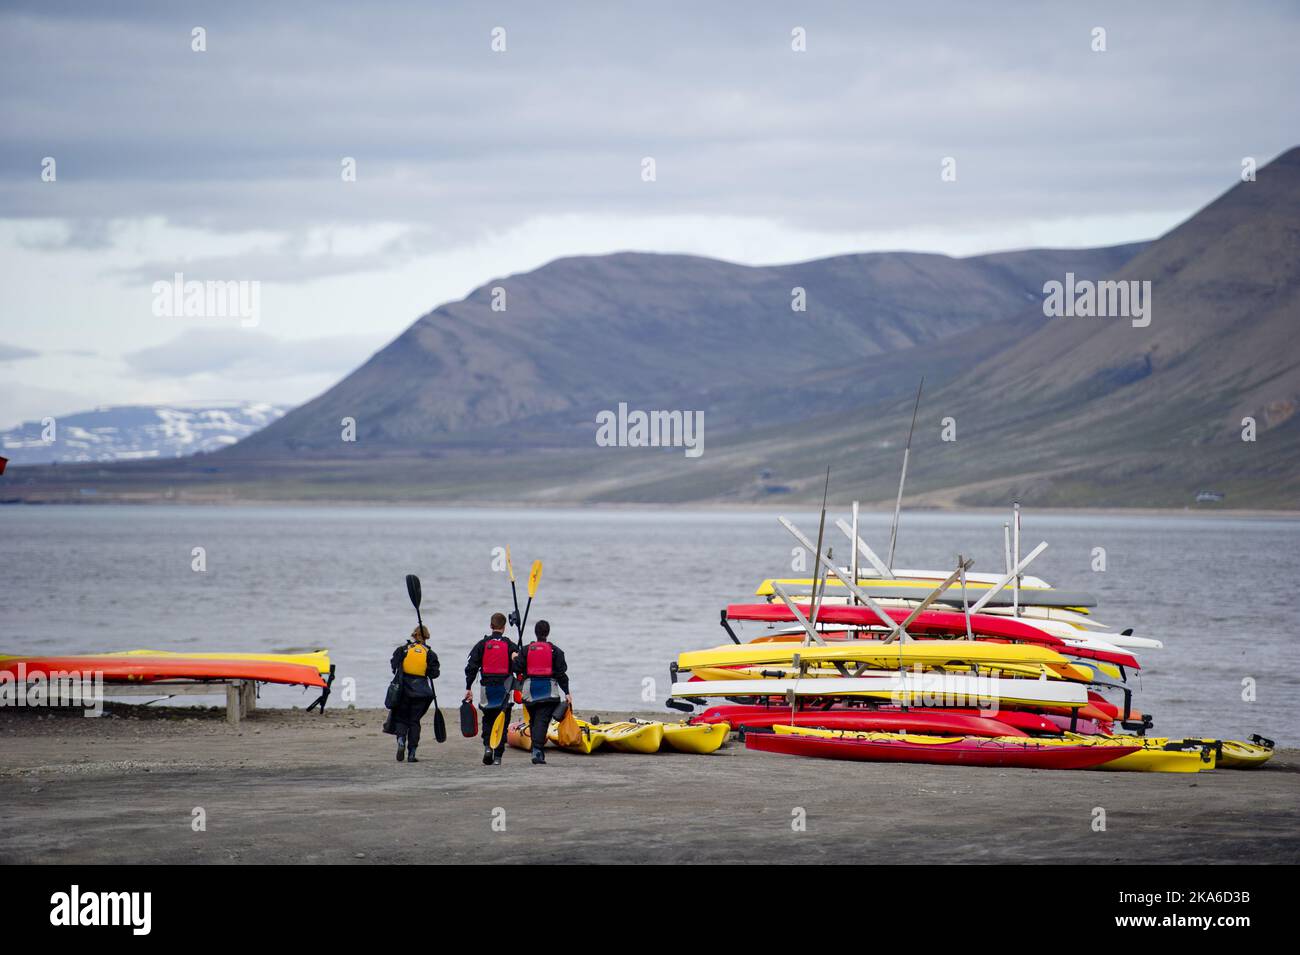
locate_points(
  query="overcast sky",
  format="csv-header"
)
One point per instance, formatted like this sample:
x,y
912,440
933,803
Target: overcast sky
x,y
470,164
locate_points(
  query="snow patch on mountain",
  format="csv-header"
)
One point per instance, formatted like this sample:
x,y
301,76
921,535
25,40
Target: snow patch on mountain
x,y
134,432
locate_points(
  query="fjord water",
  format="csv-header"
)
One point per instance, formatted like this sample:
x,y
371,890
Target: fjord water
x,y
625,590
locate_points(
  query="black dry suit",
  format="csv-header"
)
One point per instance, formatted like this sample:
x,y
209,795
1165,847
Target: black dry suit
x,y
490,661
543,673
417,692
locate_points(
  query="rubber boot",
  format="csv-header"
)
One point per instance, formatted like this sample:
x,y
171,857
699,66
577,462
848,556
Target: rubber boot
x,y
410,755
401,748
496,759
539,758
487,755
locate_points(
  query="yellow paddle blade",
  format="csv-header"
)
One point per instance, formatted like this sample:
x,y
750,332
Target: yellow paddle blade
x,y
534,578
509,566
498,729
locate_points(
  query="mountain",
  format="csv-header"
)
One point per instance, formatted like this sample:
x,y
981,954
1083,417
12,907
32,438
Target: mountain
x,y
665,332
1095,411
133,432
475,405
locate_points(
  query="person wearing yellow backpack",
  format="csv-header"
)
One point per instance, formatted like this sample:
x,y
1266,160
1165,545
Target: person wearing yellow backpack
x,y
542,671
419,667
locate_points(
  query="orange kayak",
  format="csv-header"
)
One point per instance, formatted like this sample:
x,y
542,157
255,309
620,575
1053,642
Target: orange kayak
x,y
141,669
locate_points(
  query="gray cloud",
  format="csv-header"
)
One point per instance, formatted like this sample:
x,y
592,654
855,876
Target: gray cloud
x,y
79,234
449,135
238,353
16,353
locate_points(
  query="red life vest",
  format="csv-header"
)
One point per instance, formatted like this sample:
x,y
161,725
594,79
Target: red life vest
x,y
539,660
496,657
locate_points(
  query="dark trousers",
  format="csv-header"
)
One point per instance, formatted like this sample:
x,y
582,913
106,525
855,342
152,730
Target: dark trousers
x,y
406,719
489,720
540,724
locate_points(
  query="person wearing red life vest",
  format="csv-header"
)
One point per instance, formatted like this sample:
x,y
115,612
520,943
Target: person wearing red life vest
x,y
542,671
490,660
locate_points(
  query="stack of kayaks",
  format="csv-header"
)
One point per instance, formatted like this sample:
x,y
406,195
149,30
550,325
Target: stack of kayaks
x,y
631,736
1031,680
156,666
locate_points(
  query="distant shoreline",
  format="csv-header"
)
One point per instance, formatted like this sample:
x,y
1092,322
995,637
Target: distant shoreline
x,y
792,504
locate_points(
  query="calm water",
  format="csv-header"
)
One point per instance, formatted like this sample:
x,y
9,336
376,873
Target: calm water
x,y
624,590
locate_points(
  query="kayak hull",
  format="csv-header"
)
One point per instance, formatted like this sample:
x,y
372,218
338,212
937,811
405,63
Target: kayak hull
x,y
958,751
142,669
913,689
1238,755
940,622
520,735
912,721
590,740
701,738
634,737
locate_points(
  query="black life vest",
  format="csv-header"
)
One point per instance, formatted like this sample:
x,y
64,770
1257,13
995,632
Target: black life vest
x,y
540,659
496,656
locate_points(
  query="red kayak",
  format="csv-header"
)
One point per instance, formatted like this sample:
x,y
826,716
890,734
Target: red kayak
x,y
140,669
941,722
1017,719
947,623
1027,754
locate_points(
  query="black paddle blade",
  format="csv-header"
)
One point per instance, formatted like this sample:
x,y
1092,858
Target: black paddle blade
x,y
413,588
439,727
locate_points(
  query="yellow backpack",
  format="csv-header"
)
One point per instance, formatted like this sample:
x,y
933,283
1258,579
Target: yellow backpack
x,y
416,661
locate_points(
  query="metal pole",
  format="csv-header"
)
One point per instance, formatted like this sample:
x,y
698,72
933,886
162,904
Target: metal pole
x,y
902,478
853,565
965,604
1015,534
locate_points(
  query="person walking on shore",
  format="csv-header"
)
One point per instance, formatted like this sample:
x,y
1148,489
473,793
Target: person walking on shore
x,y
419,667
490,660
543,672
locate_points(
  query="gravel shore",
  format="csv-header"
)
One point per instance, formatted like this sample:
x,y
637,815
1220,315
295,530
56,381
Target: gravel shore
x,y
287,786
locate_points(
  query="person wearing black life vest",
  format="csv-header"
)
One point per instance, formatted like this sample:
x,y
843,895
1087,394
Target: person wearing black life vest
x,y
543,672
490,661
419,665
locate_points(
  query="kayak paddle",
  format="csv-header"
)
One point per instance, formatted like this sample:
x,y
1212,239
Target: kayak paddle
x,y
534,578
514,593
413,591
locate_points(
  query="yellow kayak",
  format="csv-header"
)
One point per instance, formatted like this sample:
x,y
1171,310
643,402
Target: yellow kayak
x,y
593,737
633,737
704,738
1239,755
639,736
319,659
873,652
1166,755
1064,671
1154,757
